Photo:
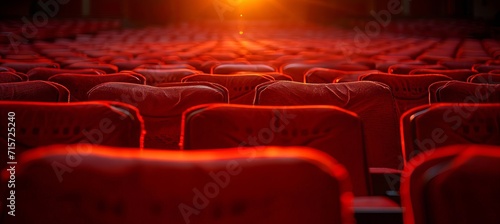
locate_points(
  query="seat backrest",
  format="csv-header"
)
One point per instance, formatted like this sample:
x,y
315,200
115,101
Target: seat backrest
x,y
409,91
467,190
485,78
38,91
25,67
432,126
407,68
6,77
79,85
161,107
434,89
465,92
327,128
46,73
101,123
371,101
292,185
241,87
108,68
455,184
324,75
455,74
413,180
235,68
155,77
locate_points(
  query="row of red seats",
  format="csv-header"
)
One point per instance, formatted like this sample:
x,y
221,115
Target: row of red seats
x,y
227,186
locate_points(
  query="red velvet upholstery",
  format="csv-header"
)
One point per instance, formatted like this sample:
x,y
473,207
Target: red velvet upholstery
x,y
46,73
409,91
327,128
79,85
6,77
241,87
464,92
485,78
455,74
373,102
40,91
291,185
161,107
235,68
323,75
432,126
102,123
455,184
157,76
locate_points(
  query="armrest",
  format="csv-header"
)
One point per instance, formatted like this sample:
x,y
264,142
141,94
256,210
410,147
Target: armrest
x,y
375,209
386,182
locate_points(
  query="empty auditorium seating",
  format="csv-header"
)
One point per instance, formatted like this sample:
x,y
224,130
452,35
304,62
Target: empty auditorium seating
x,y
323,75
464,92
371,101
429,127
485,78
409,91
160,107
46,73
215,186
241,87
327,128
38,91
455,184
102,123
79,85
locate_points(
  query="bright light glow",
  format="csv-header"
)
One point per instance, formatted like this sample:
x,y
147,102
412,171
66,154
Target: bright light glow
x,y
241,15
241,32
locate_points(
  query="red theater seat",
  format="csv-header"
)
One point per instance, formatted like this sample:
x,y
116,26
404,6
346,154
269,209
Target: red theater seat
x,y
371,101
407,68
455,74
465,92
79,85
329,129
6,77
292,185
456,184
157,76
235,68
38,91
485,68
223,90
241,87
409,91
432,126
100,123
323,75
485,78
108,68
161,108
46,73
24,67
